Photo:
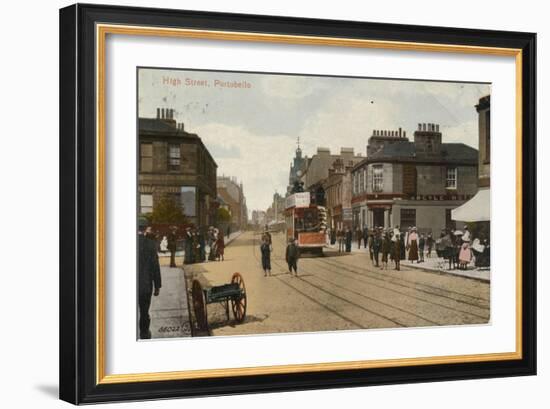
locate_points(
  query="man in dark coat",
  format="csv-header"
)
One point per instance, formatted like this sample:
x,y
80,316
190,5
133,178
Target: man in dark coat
x,y
172,239
365,236
397,251
148,278
189,256
291,255
376,245
348,238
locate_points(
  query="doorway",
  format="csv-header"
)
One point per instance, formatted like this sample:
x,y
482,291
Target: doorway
x,y
378,217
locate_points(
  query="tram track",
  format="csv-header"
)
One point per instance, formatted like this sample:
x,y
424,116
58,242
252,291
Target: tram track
x,y
429,286
275,260
428,289
335,296
410,296
397,281
303,294
316,280
332,294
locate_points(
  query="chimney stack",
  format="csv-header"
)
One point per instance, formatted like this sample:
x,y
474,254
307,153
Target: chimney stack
x,y
162,113
400,132
158,113
437,128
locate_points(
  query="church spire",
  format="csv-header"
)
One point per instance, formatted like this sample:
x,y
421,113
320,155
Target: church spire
x,y
298,149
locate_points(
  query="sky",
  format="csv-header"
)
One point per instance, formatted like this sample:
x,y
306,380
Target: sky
x,y
252,130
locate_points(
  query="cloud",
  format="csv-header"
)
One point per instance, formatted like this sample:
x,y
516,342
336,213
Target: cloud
x,y
466,132
289,87
263,163
347,119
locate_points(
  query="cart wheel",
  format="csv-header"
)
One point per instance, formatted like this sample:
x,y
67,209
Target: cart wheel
x,y
238,304
199,306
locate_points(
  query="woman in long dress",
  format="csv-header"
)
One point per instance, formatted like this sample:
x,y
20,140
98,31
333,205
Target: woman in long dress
x,y
413,245
220,246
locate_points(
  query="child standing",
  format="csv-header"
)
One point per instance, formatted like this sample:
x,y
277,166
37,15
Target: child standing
x,y
265,249
292,254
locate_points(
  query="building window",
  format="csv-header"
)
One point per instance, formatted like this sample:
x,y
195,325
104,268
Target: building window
x,y
146,157
450,182
145,203
408,218
174,153
188,200
377,178
362,181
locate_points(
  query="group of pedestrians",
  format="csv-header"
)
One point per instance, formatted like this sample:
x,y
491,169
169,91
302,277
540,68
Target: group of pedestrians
x,y
395,245
195,242
292,254
343,237
389,243
459,248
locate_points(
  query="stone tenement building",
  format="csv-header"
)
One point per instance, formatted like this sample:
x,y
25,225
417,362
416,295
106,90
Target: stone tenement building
x,y
337,187
317,168
412,183
478,209
232,194
175,162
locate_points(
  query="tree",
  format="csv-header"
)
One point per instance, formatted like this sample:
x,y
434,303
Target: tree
x,y
223,215
168,210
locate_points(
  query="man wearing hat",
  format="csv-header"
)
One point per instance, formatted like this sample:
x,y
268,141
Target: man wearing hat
x,y
148,277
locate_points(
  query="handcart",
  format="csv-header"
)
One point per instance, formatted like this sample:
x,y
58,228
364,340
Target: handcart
x,y
233,293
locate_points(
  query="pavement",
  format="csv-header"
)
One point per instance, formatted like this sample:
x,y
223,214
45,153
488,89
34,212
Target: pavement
x,y
169,310
181,253
339,291
441,266
434,265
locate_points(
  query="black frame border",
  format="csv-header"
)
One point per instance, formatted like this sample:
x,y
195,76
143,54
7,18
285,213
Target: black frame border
x,y
77,253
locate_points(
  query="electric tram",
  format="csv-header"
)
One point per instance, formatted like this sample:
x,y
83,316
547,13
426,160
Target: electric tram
x,y
306,222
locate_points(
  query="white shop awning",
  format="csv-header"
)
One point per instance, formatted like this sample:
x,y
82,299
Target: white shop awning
x,y
477,209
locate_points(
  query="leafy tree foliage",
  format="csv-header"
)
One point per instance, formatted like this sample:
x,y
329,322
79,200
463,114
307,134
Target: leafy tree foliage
x,y
168,210
223,215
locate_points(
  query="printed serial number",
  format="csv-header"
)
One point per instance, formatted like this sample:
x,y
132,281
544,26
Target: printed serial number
x,y
169,329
